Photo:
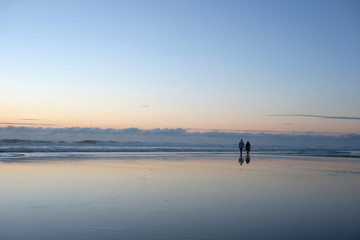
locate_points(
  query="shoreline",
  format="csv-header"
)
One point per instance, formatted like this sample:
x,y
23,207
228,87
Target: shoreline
x,y
170,156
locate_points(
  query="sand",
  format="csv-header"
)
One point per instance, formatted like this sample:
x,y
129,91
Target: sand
x,y
180,196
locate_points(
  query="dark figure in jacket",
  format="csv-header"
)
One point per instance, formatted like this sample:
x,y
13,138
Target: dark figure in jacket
x,y
248,147
241,146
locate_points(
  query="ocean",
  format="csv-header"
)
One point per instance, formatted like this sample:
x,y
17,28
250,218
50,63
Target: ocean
x,y
18,148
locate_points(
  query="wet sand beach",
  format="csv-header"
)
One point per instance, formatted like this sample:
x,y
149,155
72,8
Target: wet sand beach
x,y
180,196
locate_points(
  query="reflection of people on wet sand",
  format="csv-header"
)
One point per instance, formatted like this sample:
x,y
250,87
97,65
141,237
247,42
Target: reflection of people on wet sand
x,y
241,160
241,146
247,158
248,147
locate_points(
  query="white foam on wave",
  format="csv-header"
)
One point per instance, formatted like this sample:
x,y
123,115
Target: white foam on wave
x,y
16,148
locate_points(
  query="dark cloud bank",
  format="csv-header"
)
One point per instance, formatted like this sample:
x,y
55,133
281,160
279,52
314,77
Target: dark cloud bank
x,y
178,136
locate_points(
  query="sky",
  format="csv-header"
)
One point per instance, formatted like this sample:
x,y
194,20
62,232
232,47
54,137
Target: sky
x,y
232,66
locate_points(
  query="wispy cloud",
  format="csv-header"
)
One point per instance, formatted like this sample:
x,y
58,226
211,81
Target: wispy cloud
x,y
26,124
29,119
314,116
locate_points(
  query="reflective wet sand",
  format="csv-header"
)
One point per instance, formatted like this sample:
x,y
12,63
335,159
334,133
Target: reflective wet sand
x,y
180,196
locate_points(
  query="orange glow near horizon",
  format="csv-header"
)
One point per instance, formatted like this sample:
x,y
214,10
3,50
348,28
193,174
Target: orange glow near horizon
x,y
146,121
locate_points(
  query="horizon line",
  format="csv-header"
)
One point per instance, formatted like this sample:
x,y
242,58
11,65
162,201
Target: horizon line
x,y
188,130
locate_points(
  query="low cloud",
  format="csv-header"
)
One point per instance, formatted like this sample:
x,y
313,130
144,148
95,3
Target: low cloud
x,y
231,130
179,135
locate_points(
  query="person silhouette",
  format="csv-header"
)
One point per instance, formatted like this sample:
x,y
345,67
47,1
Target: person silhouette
x,y
248,147
241,146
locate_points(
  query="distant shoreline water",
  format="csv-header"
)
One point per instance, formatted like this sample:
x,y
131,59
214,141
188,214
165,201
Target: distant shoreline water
x,y
18,148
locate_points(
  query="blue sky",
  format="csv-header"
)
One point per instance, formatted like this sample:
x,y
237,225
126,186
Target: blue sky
x,y
181,64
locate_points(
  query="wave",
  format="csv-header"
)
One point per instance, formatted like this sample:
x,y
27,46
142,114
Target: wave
x,y
20,146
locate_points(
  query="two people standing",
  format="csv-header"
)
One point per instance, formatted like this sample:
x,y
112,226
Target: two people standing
x,y
247,146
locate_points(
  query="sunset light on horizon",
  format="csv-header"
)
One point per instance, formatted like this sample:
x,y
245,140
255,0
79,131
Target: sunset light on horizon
x,y
242,66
